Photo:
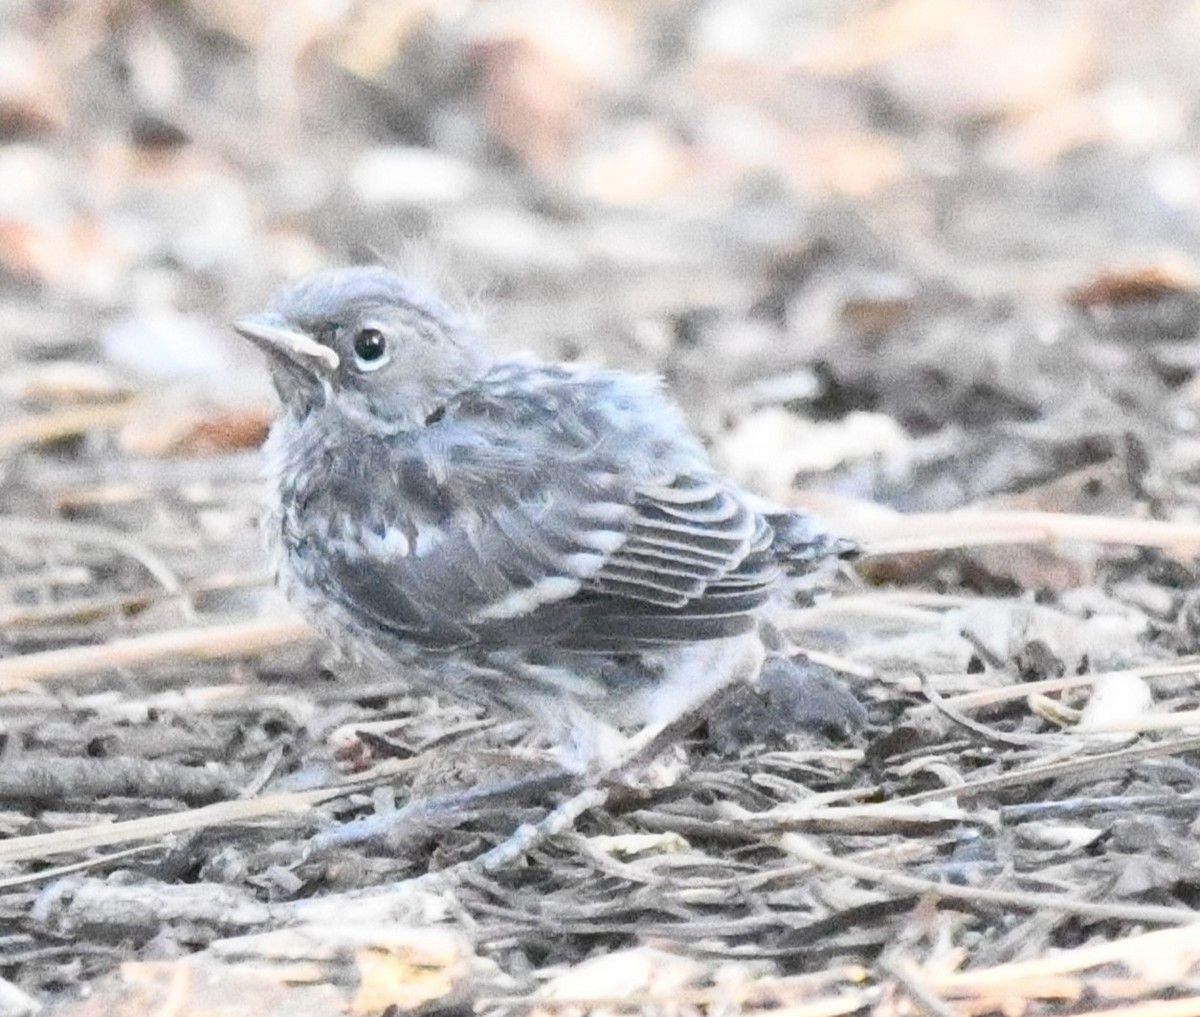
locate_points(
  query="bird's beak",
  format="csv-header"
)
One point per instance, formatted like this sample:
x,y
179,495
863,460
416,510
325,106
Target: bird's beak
x,y
271,333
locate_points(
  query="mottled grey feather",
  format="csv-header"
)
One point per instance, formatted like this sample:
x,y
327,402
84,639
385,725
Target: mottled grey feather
x,y
558,527
660,549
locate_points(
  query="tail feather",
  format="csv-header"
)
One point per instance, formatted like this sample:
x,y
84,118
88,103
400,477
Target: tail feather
x,y
802,542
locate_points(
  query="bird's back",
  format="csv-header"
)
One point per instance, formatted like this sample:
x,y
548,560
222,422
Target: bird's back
x,y
541,505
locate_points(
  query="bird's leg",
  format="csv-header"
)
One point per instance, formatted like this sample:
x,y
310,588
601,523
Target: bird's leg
x,y
431,808
652,741
735,660
693,679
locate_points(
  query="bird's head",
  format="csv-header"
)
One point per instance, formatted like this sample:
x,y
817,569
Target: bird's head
x,y
369,340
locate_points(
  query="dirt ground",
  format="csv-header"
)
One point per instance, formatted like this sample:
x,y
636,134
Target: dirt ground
x,y
928,267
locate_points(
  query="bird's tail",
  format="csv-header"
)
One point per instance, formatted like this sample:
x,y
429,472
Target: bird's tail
x,y
803,542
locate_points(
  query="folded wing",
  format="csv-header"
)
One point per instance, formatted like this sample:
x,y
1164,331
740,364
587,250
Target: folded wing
x,y
680,560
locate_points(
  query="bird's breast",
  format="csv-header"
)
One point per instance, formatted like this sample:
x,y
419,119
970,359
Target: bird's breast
x,y
340,492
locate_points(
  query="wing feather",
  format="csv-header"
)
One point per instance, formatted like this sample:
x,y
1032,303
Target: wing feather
x,y
685,564
622,547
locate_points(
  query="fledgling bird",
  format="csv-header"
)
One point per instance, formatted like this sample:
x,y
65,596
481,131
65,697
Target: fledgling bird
x,y
544,538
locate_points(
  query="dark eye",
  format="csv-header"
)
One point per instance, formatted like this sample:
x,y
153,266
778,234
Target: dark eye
x,y
369,348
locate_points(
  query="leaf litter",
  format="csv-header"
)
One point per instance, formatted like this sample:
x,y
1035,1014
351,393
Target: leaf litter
x,y
910,266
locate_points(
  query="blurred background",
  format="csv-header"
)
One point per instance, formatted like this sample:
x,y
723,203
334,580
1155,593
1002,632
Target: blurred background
x,y
856,237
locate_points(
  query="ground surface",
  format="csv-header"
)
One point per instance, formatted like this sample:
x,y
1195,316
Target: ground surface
x,y
908,257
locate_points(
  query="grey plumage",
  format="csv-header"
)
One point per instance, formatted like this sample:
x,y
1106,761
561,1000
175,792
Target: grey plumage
x,y
547,538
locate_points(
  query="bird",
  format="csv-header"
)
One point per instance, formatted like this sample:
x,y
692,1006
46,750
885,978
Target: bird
x,y
549,540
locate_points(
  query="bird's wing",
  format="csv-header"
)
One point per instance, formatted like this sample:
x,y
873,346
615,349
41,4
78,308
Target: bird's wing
x,y
546,507
695,563
678,560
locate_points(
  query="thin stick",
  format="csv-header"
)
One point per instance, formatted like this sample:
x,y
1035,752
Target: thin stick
x,y
42,845
1135,950
1045,771
1020,690
34,430
46,875
918,991
912,534
1149,914
211,642
82,533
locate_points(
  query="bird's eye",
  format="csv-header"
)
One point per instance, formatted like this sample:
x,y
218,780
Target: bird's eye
x,y
370,349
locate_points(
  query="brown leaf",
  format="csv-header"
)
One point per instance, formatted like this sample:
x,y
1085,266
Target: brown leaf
x,y
195,431
1132,285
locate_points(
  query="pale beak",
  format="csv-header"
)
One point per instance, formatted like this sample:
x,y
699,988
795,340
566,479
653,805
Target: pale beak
x,y
271,333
